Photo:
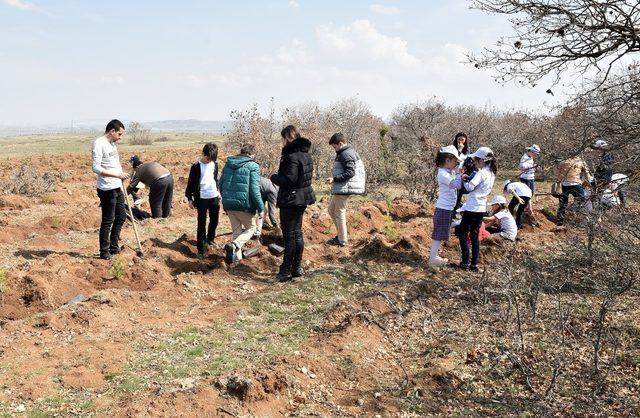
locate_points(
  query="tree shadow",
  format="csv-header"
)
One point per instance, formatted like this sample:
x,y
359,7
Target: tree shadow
x,y
37,254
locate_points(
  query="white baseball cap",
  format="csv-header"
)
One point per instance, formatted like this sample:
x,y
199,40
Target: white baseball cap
x,y
498,200
600,144
482,153
450,149
534,148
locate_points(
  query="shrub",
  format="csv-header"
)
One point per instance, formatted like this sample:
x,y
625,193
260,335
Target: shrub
x,y
117,269
30,182
138,134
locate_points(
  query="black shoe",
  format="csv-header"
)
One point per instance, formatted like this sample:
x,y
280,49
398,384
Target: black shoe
x,y
335,241
461,266
200,256
230,252
283,277
299,272
116,251
106,256
474,268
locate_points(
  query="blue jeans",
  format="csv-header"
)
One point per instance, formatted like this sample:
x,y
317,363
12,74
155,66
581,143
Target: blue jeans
x,y
530,183
577,191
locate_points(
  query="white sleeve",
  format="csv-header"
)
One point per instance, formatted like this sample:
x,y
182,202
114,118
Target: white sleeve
x,y
96,154
475,181
526,163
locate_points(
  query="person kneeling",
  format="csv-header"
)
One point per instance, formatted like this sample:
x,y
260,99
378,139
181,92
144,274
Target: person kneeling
x,y
501,224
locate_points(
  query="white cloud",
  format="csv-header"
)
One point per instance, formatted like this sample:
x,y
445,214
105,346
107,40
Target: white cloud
x,y
294,4
362,38
111,80
22,5
384,10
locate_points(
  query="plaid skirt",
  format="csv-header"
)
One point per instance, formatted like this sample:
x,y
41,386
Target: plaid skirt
x,y
441,224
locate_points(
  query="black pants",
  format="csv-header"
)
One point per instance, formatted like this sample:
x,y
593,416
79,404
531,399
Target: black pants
x,y
291,224
212,206
160,197
113,217
470,224
519,208
577,192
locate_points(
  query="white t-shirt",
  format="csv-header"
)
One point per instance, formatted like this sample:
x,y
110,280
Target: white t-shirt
x,y
208,187
479,188
448,183
105,156
527,169
519,188
508,227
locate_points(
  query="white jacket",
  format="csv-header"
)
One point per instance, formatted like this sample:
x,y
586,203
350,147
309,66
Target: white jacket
x,y
479,188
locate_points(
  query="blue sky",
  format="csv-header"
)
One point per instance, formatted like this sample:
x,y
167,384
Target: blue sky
x,y
149,60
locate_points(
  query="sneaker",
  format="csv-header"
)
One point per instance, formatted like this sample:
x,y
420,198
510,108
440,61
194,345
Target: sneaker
x,y
106,256
283,277
335,241
137,203
230,252
474,268
299,272
438,262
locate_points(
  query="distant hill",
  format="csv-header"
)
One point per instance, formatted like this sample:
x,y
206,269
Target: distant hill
x,y
93,126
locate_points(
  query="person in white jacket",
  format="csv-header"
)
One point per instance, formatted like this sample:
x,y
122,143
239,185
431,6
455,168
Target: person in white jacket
x,y
475,208
109,175
528,166
449,181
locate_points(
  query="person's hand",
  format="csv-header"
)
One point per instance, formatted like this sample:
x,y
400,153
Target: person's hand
x,y
191,205
123,176
330,180
465,177
260,216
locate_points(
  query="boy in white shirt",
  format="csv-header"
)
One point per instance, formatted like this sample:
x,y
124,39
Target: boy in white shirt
x,y
109,176
501,223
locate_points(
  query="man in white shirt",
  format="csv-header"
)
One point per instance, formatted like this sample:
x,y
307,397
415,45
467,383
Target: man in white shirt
x,y
109,174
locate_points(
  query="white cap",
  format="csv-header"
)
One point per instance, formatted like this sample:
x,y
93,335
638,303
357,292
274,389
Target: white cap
x,y
482,153
507,182
534,148
498,200
450,149
600,144
620,178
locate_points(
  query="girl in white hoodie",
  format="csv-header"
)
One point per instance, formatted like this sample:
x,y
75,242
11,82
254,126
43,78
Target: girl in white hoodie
x,y
479,187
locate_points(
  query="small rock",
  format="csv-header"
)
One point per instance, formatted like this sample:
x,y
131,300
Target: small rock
x,y
304,370
360,402
377,395
21,408
312,375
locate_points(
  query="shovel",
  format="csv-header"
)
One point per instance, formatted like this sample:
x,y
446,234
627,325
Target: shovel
x,y
139,253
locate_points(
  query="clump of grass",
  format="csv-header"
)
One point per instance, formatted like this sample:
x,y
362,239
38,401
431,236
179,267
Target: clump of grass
x,y
117,269
390,230
30,182
4,282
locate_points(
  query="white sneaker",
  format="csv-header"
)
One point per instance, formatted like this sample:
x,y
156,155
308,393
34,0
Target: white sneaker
x,y
438,262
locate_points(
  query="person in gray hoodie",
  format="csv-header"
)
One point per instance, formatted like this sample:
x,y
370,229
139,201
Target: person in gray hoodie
x,y
349,178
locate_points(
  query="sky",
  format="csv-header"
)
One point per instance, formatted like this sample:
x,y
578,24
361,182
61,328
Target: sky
x,y
65,60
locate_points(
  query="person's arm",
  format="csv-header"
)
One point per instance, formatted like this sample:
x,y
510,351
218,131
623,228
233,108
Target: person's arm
x,y
289,176
133,183
518,198
348,168
254,189
489,220
472,184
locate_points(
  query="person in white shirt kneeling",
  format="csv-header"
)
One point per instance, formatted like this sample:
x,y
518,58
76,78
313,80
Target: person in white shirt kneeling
x,y
501,224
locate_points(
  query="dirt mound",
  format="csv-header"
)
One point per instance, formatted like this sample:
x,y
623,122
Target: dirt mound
x,y
404,210
14,202
378,249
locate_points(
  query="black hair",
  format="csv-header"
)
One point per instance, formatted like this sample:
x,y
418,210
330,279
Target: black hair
x,y
465,149
210,150
290,133
248,149
114,124
337,138
442,157
137,163
502,207
506,185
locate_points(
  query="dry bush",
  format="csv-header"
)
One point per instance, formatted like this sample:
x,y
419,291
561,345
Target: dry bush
x,y
29,181
138,134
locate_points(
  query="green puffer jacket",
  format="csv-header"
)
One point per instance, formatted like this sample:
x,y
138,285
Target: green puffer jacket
x,y
240,185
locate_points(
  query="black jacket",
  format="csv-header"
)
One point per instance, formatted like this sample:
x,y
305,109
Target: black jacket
x,y
193,184
295,174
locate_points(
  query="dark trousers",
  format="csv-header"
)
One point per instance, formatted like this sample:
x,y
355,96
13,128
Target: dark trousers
x,y
530,183
212,206
577,192
113,217
470,225
519,208
160,197
291,224
462,191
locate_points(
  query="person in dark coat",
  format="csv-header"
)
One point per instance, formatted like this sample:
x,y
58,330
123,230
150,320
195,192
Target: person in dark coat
x,y
203,194
294,177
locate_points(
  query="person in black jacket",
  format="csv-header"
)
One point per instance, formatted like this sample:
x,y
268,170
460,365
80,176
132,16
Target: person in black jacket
x,y
203,194
294,179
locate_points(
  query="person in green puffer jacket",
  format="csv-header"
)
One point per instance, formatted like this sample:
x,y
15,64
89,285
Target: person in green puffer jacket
x,y
241,199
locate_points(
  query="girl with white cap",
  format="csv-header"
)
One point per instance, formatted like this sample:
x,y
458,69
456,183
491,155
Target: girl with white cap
x,y
528,166
449,181
475,208
521,197
501,223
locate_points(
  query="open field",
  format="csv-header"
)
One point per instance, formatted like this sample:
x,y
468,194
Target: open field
x,y
369,331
